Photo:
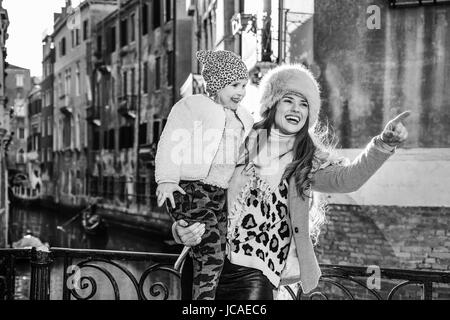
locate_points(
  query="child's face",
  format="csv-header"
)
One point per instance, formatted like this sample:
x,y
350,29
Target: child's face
x,y
232,95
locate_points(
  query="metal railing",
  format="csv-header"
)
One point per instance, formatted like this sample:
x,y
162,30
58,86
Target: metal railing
x,y
375,283
76,274
79,274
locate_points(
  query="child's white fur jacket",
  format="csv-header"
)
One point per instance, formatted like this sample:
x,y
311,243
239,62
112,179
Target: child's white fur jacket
x,y
191,138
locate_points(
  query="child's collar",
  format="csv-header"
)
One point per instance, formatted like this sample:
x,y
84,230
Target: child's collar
x,y
225,107
231,108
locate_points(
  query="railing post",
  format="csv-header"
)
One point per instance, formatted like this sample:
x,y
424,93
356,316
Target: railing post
x,y
40,275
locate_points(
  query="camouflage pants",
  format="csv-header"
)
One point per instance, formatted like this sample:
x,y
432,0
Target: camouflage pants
x,y
205,204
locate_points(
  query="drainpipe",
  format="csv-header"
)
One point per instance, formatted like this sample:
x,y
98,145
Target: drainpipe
x,y
138,107
280,31
174,28
266,41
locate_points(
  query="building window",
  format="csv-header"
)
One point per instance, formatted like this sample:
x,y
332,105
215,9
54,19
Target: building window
x,y
93,186
156,13
169,10
35,138
77,37
132,25
145,77
112,40
144,18
49,155
60,85
123,33
132,82
99,44
158,73
143,133
156,130
96,139
126,137
19,80
21,133
141,190
170,69
67,81
105,140
63,47
67,126
111,139
49,126
85,29
77,80
77,131
124,84
48,98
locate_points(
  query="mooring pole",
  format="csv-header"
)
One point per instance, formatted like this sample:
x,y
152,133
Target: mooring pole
x,y
40,275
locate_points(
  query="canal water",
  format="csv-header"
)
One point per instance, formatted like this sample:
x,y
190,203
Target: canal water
x,y
46,225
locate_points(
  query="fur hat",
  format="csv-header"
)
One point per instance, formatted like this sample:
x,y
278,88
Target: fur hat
x,y
290,78
220,68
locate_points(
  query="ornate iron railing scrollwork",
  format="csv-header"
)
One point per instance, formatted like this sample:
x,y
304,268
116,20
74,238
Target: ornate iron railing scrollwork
x,y
84,286
88,264
400,285
152,277
154,292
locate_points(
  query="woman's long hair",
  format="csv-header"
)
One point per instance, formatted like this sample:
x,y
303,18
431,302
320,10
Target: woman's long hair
x,y
306,144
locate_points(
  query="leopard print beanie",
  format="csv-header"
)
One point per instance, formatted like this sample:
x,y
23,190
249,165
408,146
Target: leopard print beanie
x,y
220,68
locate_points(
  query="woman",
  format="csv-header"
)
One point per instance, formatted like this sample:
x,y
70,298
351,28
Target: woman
x,y
272,216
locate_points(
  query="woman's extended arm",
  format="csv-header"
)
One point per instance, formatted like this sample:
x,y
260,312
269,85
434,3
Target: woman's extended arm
x,y
349,178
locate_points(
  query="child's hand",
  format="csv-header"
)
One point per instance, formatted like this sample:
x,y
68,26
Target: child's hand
x,y
395,132
165,191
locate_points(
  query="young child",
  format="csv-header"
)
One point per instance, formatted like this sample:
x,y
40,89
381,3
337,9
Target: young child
x,y
196,156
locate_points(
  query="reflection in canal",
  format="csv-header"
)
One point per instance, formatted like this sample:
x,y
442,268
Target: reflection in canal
x,y
43,223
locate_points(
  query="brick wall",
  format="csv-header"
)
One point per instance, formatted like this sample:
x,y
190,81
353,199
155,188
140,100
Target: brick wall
x,y
388,236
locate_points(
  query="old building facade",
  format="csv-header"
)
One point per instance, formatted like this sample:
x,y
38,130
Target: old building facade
x,y
18,86
211,29
34,129
4,126
46,147
72,41
138,68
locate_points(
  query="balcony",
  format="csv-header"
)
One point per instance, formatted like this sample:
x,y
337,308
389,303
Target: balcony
x,y
33,156
93,115
148,276
66,108
127,106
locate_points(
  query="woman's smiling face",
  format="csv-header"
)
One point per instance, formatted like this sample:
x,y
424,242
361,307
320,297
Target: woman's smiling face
x,y
291,114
